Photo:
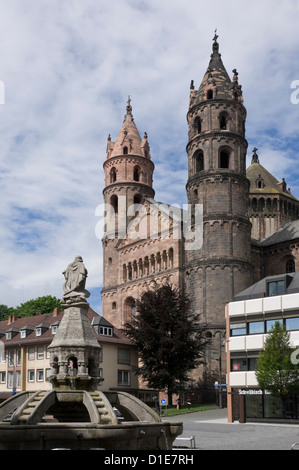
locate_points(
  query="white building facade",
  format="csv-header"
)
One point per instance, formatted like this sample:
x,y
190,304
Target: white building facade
x,y
249,320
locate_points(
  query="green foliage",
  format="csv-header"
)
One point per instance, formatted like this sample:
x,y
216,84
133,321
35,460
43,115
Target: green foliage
x,y
5,311
277,370
168,338
39,306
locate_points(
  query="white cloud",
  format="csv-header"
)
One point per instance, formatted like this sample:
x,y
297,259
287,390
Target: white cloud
x,y
68,68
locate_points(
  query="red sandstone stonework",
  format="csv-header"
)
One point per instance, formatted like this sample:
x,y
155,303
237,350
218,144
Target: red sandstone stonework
x,y
237,205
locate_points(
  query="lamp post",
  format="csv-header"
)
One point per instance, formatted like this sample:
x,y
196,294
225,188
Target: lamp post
x,y
220,366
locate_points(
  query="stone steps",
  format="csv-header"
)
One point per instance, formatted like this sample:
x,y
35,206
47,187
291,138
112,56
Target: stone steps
x,y
105,417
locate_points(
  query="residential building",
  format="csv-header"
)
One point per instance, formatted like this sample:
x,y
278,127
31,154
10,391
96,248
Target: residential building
x,y
24,357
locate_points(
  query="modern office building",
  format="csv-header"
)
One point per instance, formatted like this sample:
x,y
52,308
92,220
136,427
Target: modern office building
x,y
249,319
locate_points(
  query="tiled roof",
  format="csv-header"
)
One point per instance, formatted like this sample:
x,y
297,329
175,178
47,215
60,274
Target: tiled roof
x,y
37,321
287,233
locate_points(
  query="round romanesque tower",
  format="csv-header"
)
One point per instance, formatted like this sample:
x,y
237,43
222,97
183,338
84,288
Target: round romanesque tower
x,y
128,180
216,150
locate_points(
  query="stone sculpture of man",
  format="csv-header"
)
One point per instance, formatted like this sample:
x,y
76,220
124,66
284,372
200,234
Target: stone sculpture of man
x,y
75,276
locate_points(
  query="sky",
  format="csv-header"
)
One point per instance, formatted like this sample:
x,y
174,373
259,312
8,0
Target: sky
x,y
66,70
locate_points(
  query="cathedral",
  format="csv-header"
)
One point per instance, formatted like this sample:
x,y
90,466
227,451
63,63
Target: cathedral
x,y
244,221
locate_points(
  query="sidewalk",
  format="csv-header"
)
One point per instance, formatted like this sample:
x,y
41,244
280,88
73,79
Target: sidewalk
x,y
213,432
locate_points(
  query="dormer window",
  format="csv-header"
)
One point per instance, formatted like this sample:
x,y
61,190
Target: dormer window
x,y
11,333
54,329
26,330
125,150
260,184
276,288
210,95
106,331
40,329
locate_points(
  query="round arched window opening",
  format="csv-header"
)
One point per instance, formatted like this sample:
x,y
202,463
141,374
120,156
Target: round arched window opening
x,y
136,173
114,203
112,175
198,160
224,159
130,309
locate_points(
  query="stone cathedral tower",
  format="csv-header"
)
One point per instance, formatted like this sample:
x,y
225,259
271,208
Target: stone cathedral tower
x,y
128,181
217,180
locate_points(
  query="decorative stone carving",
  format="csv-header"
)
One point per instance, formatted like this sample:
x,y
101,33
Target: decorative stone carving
x,y
75,279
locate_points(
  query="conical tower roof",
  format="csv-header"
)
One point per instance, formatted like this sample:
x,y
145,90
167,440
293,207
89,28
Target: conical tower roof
x,y
128,140
217,81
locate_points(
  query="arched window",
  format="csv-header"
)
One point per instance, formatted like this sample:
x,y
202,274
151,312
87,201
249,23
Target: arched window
x,y
125,150
136,173
224,159
197,125
72,366
261,204
124,272
223,121
290,266
198,161
114,203
112,175
210,94
130,309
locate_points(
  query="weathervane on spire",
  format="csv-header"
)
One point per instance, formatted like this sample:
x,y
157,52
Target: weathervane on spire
x,y
216,36
129,107
215,43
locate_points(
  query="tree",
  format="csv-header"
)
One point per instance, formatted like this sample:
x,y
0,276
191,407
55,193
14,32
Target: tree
x,y
168,338
277,369
38,306
5,311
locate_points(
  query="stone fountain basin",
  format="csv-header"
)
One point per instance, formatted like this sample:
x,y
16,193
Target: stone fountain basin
x,y
84,420
79,436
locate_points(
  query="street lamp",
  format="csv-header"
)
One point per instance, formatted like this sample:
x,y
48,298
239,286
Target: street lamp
x,y
220,366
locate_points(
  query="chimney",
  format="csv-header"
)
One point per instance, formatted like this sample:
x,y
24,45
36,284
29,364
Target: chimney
x,y
56,312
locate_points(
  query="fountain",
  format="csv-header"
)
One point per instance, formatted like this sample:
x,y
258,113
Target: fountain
x,y
75,414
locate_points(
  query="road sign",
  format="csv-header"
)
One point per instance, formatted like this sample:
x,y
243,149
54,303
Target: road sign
x,y
163,401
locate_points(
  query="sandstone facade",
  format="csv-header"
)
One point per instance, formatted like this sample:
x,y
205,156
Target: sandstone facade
x,y
241,210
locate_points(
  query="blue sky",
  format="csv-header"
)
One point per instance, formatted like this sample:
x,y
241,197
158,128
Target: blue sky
x,y
68,67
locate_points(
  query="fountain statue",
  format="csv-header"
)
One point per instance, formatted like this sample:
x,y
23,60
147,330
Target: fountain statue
x,y
75,414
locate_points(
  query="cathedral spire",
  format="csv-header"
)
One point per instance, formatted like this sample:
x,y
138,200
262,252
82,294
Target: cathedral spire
x,y
216,83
